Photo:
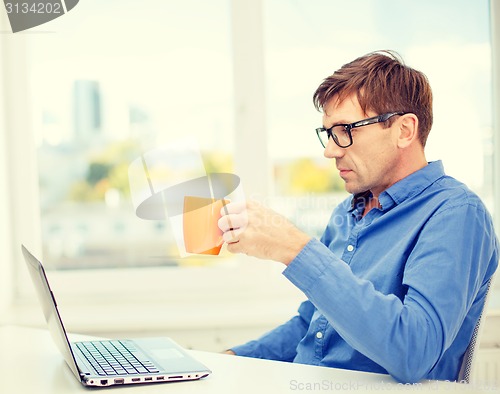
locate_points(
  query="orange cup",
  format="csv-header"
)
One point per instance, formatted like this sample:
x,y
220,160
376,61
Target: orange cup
x,y
201,232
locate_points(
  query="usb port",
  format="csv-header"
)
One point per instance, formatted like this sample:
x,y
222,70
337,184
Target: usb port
x,y
148,379
136,379
160,378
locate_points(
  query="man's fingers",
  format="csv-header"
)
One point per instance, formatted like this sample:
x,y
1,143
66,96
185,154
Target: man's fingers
x,y
234,247
233,207
229,222
232,236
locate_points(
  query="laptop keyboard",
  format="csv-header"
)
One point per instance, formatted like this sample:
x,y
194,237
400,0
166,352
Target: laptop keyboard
x,y
116,358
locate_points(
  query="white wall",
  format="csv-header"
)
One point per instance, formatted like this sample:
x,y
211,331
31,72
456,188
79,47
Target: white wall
x,y
6,282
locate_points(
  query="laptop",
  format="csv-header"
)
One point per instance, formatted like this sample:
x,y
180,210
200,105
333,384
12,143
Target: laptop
x,y
113,362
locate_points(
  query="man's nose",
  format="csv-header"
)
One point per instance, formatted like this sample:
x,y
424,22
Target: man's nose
x,y
332,150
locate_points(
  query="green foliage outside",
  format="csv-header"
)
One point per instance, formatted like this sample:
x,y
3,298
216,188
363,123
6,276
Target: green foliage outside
x,y
306,175
108,169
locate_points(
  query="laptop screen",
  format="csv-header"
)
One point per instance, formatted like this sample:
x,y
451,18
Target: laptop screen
x,y
49,307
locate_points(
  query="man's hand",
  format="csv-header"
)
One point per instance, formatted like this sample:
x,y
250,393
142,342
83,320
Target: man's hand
x,y
258,231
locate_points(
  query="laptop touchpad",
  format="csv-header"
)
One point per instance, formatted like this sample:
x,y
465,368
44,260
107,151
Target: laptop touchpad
x,y
166,354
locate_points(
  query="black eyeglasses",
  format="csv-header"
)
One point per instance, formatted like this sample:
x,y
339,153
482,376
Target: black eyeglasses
x,y
341,133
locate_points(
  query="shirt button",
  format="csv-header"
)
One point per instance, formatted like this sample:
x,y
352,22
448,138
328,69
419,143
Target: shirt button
x,y
319,335
350,248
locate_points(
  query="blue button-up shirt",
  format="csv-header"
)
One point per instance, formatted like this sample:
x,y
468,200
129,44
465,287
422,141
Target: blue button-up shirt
x,y
397,291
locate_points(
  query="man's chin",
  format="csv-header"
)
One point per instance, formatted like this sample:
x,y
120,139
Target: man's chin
x,y
349,187
353,189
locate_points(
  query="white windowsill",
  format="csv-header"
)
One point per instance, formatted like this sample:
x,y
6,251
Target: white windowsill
x,y
248,293
198,298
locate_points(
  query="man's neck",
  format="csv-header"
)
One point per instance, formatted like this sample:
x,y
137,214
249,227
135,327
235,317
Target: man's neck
x,y
419,163
370,204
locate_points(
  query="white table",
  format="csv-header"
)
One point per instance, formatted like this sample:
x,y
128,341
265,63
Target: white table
x,y
31,363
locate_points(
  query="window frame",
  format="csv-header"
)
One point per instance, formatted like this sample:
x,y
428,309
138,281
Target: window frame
x,y
495,75
495,70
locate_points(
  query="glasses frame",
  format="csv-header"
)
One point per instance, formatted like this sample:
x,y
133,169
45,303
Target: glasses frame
x,y
349,126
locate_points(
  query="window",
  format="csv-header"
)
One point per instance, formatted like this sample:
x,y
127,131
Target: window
x,y
115,80
101,85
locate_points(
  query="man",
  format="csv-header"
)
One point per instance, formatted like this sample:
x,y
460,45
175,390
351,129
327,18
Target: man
x,y
398,280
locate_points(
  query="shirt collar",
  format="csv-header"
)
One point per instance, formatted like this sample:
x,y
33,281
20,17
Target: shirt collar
x,y
359,200
407,187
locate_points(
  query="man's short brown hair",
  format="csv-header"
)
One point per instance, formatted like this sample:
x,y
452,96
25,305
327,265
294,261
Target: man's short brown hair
x,y
382,83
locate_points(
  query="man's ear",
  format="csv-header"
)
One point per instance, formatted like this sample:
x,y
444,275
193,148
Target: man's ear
x,y
408,130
